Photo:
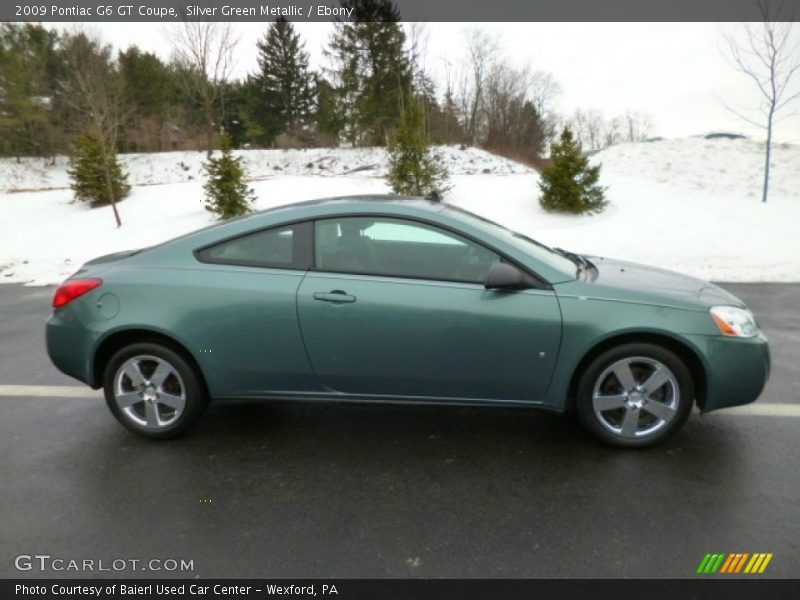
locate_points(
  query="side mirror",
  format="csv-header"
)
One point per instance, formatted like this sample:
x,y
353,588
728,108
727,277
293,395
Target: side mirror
x,y
503,276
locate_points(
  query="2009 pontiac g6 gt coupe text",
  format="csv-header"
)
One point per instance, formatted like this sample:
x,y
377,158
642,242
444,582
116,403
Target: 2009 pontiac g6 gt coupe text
x,y
386,299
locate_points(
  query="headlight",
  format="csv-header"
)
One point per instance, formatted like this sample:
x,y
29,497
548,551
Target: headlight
x,y
734,321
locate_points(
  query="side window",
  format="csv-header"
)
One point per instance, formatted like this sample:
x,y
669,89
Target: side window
x,y
399,248
282,248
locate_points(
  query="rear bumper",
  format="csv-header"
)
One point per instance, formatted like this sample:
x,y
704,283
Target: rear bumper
x,y
736,369
69,345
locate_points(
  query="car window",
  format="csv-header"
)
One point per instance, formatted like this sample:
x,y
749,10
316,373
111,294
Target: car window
x,y
283,247
536,249
399,248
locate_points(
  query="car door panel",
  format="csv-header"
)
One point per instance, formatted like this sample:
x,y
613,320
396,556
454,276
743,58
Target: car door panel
x,y
414,338
242,312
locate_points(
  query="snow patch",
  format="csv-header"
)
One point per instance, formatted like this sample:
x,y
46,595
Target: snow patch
x,y
690,205
39,174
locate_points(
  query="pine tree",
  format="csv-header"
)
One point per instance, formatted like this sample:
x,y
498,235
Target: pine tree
x,y
569,184
283,94
327,117
371,72
236,120
413,168
227,194
94,179
28,81
148,87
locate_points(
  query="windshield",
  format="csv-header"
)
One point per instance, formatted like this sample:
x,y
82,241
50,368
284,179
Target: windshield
x,y
539,251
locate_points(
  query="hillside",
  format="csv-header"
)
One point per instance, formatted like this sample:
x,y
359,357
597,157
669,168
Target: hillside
x,y
30,174
719,166
691,205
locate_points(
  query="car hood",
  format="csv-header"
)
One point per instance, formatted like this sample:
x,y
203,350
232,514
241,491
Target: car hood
x,y
631,281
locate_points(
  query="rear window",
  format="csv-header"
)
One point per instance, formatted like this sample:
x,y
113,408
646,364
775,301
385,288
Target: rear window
x,y
286,247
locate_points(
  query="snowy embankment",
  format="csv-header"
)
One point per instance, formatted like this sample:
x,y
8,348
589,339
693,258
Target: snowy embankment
x,y
692,205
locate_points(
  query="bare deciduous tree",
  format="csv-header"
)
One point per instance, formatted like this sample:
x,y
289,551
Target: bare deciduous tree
x,y
578,126
482,50
417,36
504,108
594,128
637,126
95,91
451,126
769,56
613,132
508,121
544,89
205,51
594,132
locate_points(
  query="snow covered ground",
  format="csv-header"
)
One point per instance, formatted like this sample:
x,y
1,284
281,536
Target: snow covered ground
x,y
35,174
691,205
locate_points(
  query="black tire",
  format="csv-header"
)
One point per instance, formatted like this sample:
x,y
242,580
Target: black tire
x,y
184,379
638,353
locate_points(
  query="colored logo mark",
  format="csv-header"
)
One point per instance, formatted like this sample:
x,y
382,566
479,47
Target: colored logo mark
x,y
736,562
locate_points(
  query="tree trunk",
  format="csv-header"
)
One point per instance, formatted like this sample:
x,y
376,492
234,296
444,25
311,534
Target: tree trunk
x,y
111,193
768,155
209,110
109,185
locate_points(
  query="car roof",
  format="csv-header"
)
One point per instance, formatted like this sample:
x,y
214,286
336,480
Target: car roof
x,y
415,201
361,203
386,205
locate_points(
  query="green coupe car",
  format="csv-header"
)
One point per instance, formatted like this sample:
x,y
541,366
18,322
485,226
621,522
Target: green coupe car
x,y
402,300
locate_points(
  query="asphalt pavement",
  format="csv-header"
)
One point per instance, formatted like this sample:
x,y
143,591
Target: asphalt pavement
x,y
335,491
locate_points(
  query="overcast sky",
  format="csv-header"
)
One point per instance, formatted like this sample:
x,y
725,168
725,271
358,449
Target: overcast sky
x,y
675,72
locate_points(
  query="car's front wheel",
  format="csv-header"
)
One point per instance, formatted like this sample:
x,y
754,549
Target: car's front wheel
x,y
635,395
153,391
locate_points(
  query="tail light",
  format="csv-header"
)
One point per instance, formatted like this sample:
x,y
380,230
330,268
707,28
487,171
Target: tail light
x,y
74,288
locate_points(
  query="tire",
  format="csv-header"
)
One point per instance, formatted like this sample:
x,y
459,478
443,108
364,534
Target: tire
x,y
153,391
634,395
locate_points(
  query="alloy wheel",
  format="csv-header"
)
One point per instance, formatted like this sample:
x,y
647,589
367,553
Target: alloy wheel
x,y
149,392
635,397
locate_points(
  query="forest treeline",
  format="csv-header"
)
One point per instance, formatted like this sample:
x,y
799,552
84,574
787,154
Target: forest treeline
x,y
57,85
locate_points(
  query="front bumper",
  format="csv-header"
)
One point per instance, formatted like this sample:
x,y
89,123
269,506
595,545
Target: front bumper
x,y
737,369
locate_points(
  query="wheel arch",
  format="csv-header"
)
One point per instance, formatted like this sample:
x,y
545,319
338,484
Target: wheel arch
x,y
683,350
125,337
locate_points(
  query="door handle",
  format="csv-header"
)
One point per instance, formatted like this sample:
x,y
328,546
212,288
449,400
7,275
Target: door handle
x,y
336,296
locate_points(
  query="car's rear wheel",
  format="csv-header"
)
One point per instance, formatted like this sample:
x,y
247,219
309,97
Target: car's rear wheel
x,y
153,391
635,395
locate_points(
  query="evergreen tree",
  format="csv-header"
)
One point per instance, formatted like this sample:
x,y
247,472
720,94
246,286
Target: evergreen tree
x,y
328,120
372,72
527,140
149,87
569,184
97,177
413,168
449,125
227,194
236,121
29,71
283,99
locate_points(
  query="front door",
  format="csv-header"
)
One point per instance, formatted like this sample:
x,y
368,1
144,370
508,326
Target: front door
x,y
397,308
